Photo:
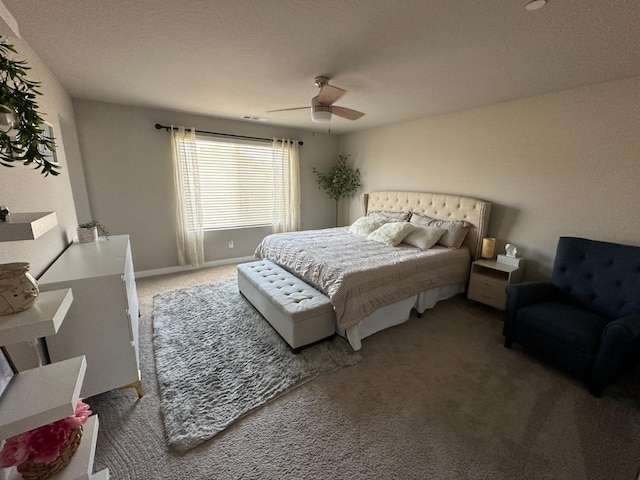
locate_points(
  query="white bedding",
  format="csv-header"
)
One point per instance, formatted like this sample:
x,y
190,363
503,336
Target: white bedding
x,y
360,275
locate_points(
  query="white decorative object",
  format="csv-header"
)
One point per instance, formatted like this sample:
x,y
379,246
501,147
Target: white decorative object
x,y
18,289
511,250
86,235
512,261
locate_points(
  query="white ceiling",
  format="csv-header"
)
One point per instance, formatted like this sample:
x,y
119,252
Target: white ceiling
x,y
398,59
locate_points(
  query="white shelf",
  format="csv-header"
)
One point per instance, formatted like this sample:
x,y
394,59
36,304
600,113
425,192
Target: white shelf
x,y
27,226
41,320
82,461
41,395
101,475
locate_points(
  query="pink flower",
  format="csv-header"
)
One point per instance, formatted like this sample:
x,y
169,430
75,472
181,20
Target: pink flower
x,y
45,442
14,451
79,417
42,444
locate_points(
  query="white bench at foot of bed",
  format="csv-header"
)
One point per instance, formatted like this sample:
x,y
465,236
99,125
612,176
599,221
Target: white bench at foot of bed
x,y
299,313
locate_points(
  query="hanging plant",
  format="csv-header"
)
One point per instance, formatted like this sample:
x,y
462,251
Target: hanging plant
x,y
22,136
339,182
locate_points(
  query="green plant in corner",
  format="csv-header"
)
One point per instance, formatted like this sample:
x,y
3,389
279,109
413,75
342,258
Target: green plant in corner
x,y
102,230
341,181
22,138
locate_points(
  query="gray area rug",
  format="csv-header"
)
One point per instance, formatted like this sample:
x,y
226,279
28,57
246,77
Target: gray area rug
x,y
217,360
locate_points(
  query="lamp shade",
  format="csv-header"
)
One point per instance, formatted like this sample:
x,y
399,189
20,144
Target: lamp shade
x,y
320,113
488,247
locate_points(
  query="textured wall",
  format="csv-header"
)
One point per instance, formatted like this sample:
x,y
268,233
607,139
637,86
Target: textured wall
x,y
24,189
566,163
130,180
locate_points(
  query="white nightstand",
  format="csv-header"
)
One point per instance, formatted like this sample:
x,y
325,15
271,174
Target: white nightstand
x,y
489,279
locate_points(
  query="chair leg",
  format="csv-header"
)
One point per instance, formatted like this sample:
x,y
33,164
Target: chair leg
x,y
596,391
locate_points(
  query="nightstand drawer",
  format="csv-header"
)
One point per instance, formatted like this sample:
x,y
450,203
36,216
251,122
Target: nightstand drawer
x,y
488,282
493,296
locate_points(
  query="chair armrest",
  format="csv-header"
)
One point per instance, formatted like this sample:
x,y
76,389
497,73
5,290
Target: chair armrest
x,y
522,294
618,345
631,323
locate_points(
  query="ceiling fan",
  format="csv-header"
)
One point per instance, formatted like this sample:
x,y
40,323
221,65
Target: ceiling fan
x,y
322,105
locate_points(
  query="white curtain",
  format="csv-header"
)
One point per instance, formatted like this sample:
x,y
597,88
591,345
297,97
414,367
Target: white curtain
x,y
190,237
286,188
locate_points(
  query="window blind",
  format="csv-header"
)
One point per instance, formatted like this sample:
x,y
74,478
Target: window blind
x,y
236,180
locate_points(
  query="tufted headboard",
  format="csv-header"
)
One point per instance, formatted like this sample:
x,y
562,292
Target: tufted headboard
x,y
440,206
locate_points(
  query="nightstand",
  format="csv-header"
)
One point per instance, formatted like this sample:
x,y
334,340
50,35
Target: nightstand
x,y
488,281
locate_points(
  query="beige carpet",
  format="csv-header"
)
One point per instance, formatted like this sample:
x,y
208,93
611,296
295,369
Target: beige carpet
x,y
435,398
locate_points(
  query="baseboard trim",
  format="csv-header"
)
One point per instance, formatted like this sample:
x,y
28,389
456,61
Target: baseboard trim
x,y
187,268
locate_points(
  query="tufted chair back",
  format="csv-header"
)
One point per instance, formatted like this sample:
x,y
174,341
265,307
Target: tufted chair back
x,y
599,276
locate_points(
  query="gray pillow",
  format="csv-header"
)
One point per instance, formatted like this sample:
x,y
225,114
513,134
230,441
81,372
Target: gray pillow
x,y
424,237
390,216
456,230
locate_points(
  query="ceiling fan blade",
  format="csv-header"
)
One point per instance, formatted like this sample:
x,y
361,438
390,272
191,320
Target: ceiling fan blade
x,y
347,113
287,109
329,94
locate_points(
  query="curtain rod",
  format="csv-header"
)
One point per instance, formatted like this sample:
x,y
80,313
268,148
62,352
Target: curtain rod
x,y
167,128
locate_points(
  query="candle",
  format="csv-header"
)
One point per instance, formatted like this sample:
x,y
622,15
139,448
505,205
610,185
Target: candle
x,y
488,247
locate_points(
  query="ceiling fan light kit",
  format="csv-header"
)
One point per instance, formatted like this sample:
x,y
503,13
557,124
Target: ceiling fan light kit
x,y
322,108
321,113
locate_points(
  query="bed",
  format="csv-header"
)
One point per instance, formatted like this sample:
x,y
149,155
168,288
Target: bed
x,y
371,285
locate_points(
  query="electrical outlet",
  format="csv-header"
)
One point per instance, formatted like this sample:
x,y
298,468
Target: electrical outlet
x,y
230,243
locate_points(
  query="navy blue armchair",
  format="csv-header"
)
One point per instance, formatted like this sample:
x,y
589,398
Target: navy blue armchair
x,y
587,319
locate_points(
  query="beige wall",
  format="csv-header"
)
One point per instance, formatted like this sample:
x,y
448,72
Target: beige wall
x,y
129,178
566,163
24,189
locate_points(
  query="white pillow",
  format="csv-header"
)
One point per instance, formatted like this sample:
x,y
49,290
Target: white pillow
x,y
424,237
391,233
365,225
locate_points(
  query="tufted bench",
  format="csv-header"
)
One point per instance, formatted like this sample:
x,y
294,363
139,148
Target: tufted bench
x,y
298,312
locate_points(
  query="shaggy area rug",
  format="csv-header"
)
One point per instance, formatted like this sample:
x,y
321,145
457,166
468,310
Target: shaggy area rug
x,y
217,359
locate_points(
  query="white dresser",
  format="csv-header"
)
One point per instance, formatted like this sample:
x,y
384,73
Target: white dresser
x,y
102,322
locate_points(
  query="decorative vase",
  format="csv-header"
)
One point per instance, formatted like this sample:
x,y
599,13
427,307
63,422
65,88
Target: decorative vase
x,y
86,235
41,471
18,289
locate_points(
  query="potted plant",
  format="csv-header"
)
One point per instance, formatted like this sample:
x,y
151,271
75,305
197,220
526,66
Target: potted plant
x,y
22,136
339,182
90,231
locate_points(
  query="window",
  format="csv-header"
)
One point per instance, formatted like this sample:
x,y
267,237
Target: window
x,y
236,182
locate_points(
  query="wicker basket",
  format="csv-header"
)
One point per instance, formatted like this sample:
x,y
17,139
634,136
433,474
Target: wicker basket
x,y
41,471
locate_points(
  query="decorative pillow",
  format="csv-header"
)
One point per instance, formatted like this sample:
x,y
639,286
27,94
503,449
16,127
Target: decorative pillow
x,y
364,226
424,237
456,229
390,216
392,233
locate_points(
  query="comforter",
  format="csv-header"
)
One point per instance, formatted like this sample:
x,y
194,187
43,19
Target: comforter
x,y
360,275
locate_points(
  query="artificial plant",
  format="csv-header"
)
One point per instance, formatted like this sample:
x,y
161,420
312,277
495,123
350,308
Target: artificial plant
x,y
102,230
24,139
339,182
